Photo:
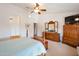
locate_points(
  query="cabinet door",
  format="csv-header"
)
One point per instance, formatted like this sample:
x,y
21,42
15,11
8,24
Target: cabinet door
x,y
73,32
66,30
78,34
71,35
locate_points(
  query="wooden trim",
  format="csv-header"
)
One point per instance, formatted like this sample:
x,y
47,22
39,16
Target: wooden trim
x,y
15,36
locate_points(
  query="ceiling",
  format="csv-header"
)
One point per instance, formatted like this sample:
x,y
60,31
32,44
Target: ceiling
x,y
52,7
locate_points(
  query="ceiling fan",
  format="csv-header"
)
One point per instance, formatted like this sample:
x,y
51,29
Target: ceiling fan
x,y
37,9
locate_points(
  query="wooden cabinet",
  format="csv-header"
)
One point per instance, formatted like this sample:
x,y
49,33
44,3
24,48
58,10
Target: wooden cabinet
x,y
71,34
54,36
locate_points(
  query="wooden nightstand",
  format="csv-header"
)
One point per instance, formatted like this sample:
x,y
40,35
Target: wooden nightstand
x,y
45,42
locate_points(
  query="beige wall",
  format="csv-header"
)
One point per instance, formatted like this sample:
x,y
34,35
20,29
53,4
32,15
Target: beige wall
x,y
41,19
8,10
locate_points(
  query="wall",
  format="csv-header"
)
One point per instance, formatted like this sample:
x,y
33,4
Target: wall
x,y
41,19
8,11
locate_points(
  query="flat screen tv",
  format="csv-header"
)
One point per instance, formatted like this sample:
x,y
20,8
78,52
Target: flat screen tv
x,y
71,19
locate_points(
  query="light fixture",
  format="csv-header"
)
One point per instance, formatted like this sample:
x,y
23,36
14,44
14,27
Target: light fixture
x,y
36,9
76,19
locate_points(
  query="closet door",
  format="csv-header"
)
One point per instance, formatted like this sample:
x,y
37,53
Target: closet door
x,y
14,25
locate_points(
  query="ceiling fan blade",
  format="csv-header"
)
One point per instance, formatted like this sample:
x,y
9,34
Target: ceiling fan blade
x,y
43,9
37,5
39,12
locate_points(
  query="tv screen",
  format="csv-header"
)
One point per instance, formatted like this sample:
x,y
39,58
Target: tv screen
x,y
71,19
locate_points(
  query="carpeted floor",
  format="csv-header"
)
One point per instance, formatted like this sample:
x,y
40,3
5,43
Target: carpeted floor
x,y
59,49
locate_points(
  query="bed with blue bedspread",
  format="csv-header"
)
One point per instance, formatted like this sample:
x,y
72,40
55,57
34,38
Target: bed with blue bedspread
x,y
21,47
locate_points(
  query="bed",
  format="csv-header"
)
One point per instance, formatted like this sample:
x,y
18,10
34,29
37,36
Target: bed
x,y
21,47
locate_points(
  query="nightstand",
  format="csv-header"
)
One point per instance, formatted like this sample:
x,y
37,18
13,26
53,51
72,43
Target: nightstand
x,y
41,39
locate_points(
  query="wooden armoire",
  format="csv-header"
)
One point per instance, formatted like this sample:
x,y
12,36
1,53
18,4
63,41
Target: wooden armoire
x,y
71,34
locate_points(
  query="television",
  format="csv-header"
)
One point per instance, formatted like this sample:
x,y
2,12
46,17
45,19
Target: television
x,y
71,19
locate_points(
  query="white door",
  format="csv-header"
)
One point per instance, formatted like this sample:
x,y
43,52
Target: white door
x,y
14,25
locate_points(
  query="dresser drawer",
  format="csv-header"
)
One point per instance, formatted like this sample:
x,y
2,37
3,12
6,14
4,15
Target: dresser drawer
x,y
54,36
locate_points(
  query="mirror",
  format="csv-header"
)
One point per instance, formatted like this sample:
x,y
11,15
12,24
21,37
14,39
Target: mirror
x,y
51,26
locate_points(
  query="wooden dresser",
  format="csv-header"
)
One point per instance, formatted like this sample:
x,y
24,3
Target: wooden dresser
x,y
71,34
54,36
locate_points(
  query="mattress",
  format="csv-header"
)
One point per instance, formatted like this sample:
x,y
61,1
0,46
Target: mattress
x,y
21,47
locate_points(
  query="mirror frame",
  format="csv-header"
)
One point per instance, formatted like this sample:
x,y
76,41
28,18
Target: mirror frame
x,y
51,26
51,23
